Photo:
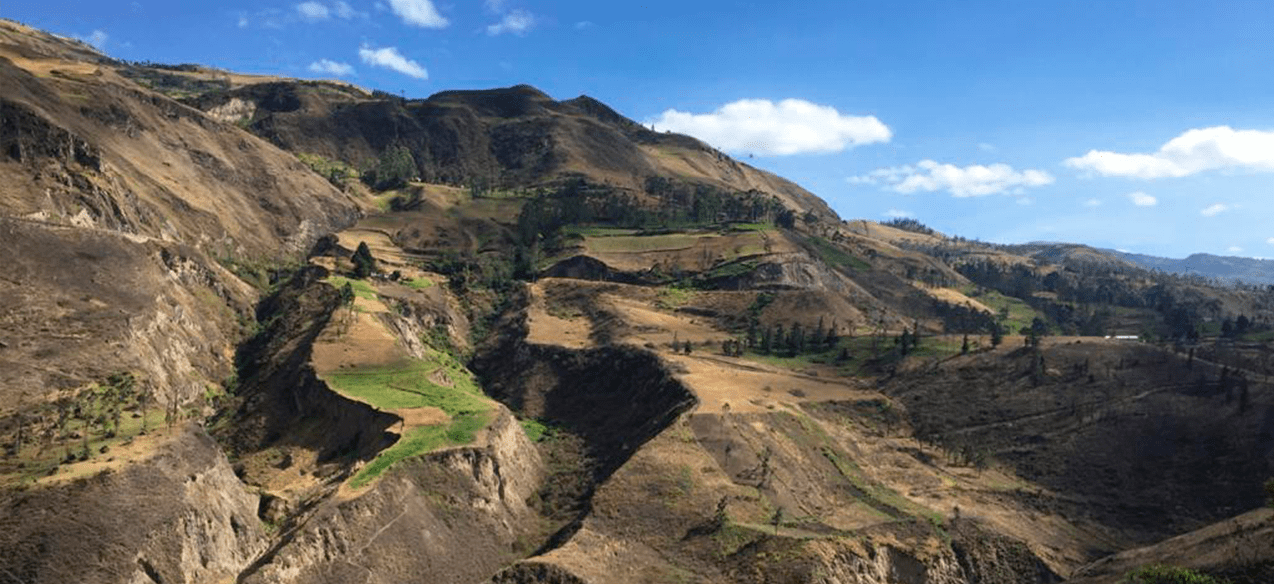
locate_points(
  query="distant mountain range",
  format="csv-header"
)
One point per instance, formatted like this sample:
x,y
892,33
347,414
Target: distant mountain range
x,y
1250,270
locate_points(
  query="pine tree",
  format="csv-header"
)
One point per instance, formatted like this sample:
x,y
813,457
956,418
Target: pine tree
x,y
964,347
997,337
364,263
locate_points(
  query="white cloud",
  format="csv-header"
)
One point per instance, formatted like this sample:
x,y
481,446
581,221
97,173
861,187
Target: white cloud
x,y
496,6
96,38
1025,201
1234,249
1270,241
313,11
1141,199
517,22
898,214
1214,210
344,10
1092,203
243,21
390,58
791,126
969,181
583,24
331,67
986,147
1194,151
418,13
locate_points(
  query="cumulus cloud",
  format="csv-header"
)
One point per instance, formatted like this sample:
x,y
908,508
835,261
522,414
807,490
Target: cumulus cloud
x,y
96,38
1092,203
584,24
1214,210
791,126
1141,199
1195,151
518,22
968,181
898,214
329,67
1270,241
1234,249
418,13
390,58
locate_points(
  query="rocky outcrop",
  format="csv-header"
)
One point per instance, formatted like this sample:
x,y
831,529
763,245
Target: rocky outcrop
x,y
457,515
198,523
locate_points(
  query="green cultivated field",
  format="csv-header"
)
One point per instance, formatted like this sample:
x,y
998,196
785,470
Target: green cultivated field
x,y
641,243
408,385
362,288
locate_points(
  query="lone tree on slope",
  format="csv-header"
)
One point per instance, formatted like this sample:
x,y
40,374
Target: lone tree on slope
x,y
364,263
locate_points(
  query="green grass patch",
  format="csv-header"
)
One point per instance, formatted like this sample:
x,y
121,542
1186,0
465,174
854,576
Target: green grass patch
x,y
333,170
830,253
1010,312
536,430
671,297
750,227
641,243
421,440
597,231
362,288
417,283
408,385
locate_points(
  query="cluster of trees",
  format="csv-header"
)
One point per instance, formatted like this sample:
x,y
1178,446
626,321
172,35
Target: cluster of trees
x,y
960,318
1079,299
909,224
792,340
393,169
683,202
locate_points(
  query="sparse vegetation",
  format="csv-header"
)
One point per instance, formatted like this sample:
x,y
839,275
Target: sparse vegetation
x,y
1169,575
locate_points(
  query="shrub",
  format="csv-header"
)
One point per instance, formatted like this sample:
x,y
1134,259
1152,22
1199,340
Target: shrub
x,y
1169,575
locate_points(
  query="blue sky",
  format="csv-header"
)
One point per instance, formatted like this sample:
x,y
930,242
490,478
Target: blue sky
x,y
1139,125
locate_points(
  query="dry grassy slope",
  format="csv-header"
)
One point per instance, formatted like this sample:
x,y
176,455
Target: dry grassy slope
x,y
1129,439
857,492
115,201
83,146
1248,538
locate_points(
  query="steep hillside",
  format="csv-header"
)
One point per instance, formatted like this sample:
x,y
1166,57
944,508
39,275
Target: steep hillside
x,y
266,330
508,138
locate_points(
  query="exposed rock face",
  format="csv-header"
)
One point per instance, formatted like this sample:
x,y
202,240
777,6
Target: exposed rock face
x,y
458,515
197,523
